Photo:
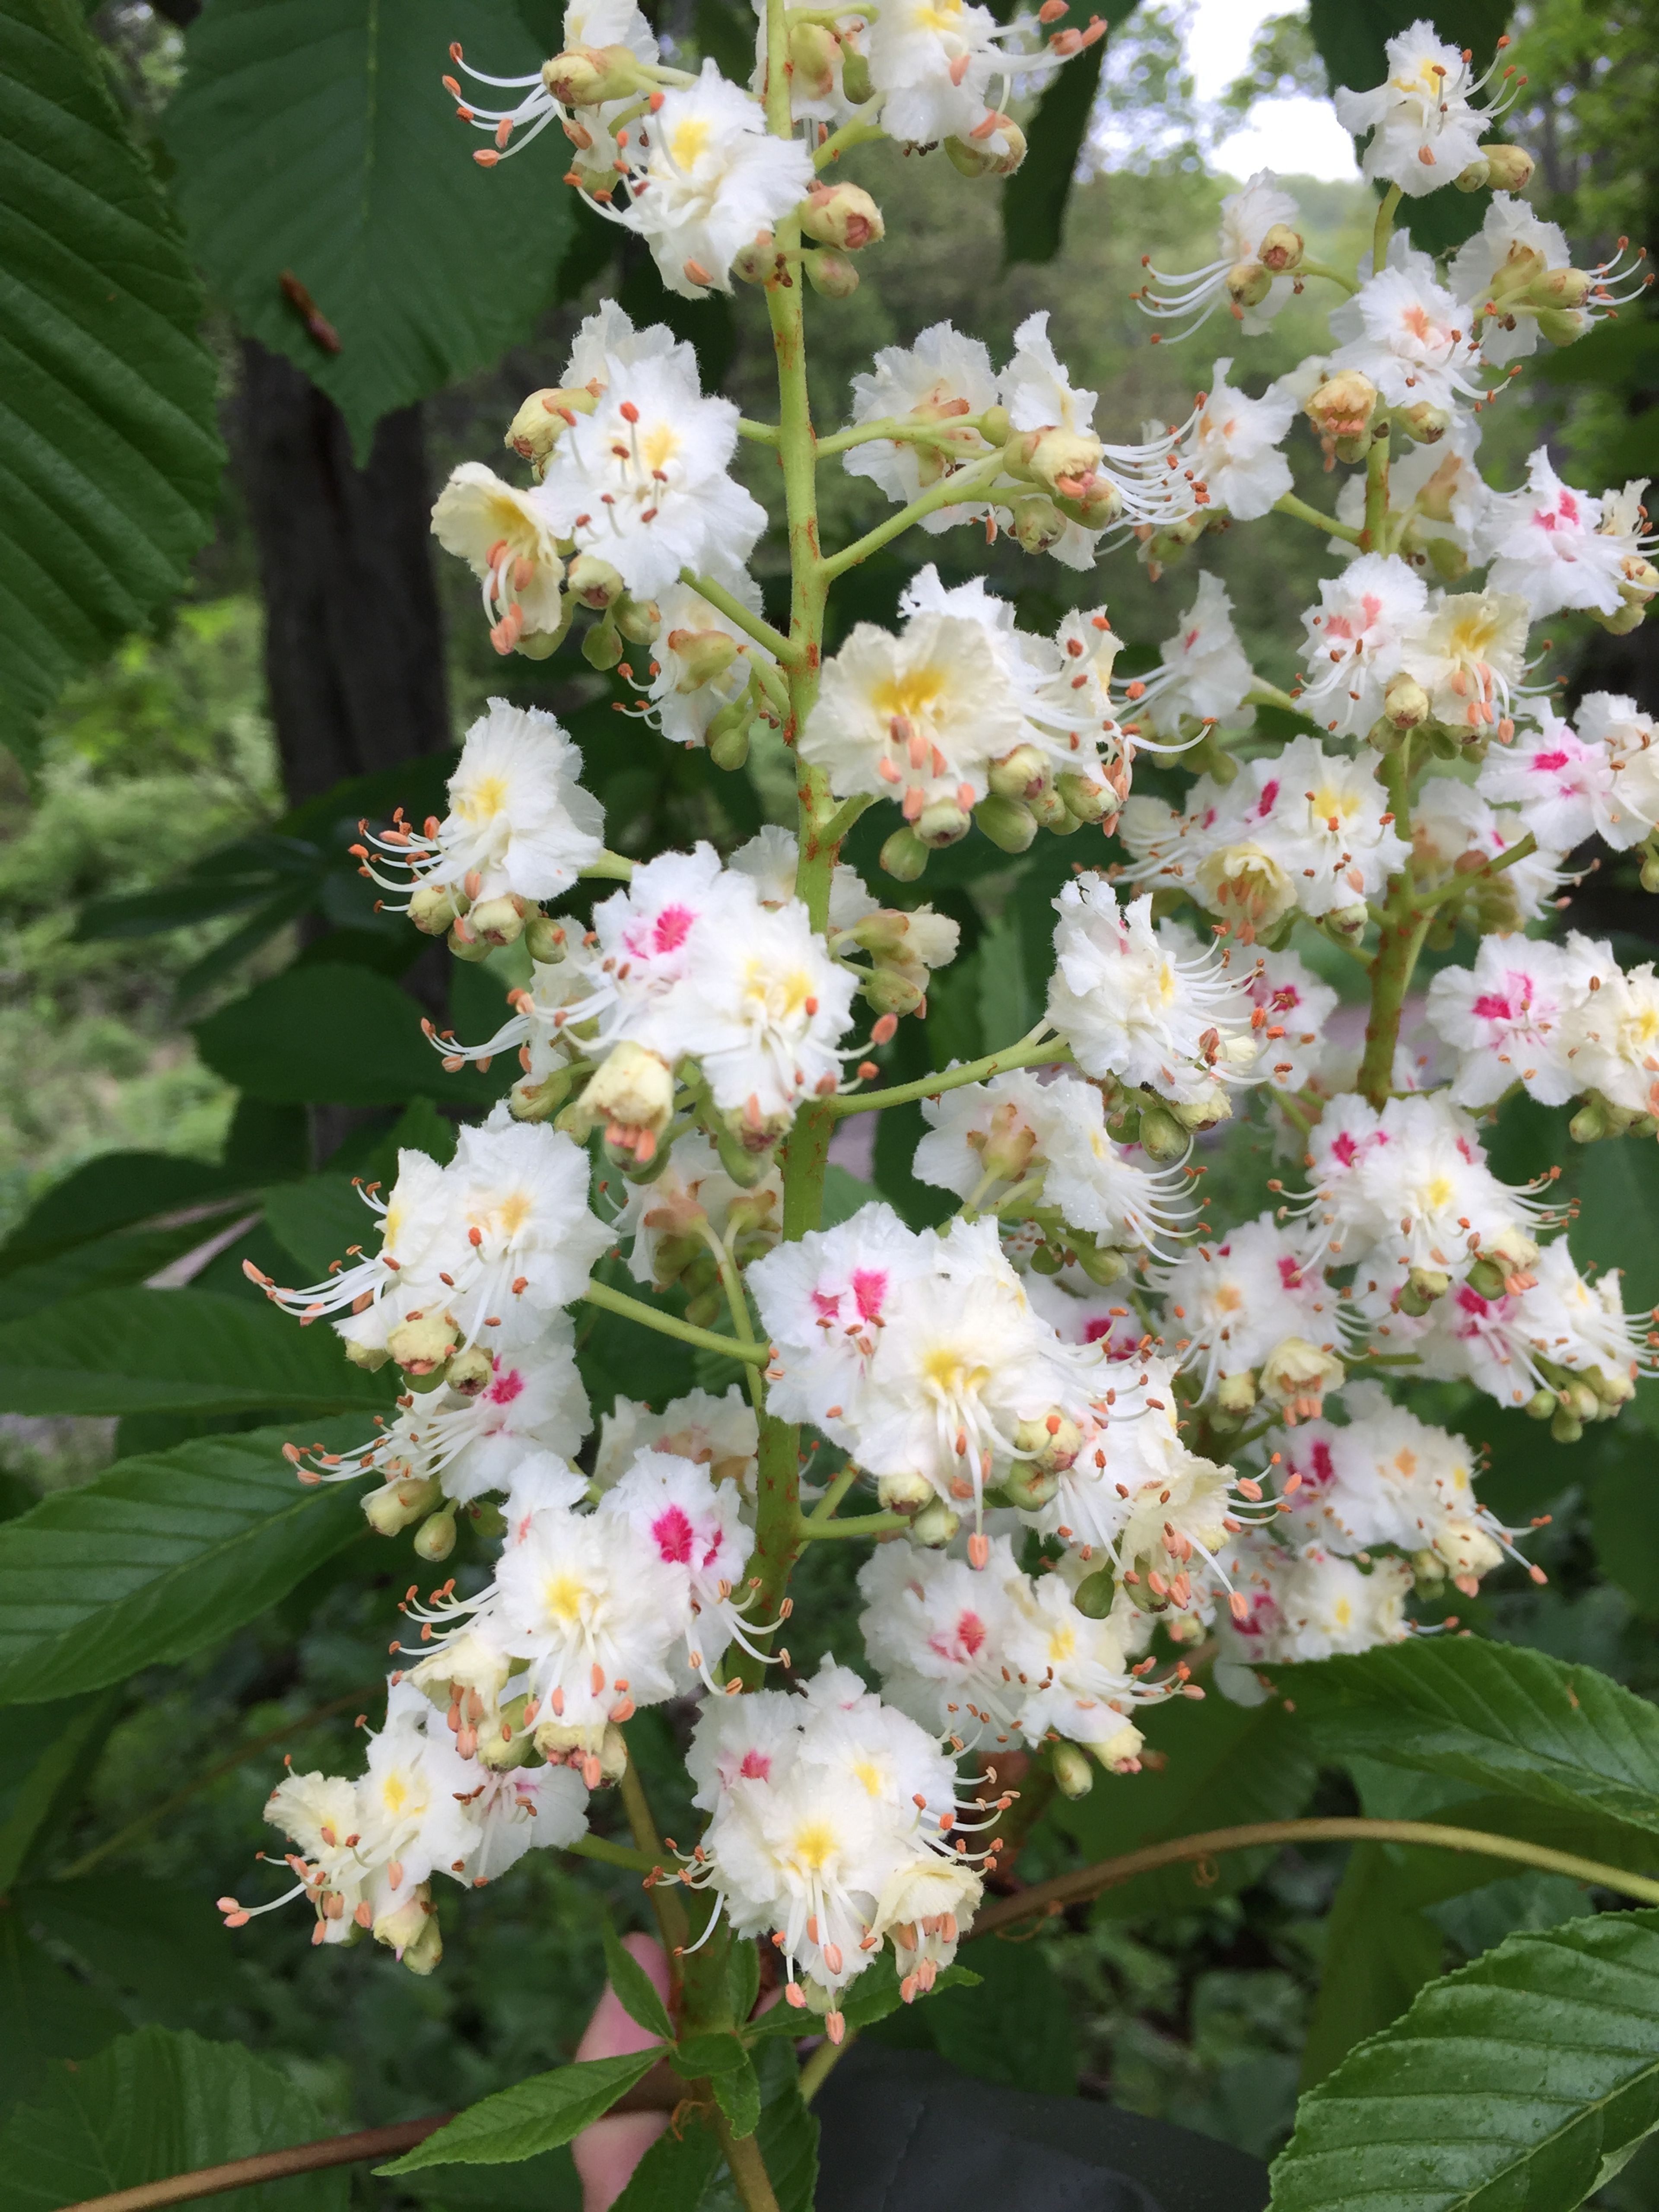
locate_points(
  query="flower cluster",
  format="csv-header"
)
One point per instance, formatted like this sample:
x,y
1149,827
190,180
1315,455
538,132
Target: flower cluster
x,y
1103,1440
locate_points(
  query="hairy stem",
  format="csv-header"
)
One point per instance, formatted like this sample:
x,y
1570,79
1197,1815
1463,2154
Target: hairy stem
x,y
1047,1896
1029,1051
732,608
748,2168
1384,228
823,2060
862,1524
967,485
667,1324
1290,504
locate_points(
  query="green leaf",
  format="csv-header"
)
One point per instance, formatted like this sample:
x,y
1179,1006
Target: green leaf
x,y
534,2115
117,1190
1034,198
156,2104
47,2015
1521,2080
151,1937
1015,2026
336,1035
788,2133
109,453
694,2056
312,137
130,1256
742,1977
674,2173
317,1219
138,1352
1492,1715
159,1558
1379,1952
1212,1763
737,2092
43,1749
870,1998
635,1991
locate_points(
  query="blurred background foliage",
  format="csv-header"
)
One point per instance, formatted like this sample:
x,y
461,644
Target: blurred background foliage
x,y
194,978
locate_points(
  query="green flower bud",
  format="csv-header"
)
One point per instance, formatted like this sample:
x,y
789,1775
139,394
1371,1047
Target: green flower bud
x,y
1008,824
831,274
545,938
1074,1775
1094,1595
435,1539
434,908
903,856
935,1525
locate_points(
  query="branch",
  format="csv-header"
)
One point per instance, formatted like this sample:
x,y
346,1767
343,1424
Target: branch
x,y
752,625
900,430
862,1524
610,867
618,1301
763,434
855,131
1455,885
1028,1053
269,2166
1290,504
1048,1897
835,828
966,485
610,1854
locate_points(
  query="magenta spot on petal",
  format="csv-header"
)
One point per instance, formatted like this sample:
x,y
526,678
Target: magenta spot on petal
x,y
869,1289
672,928
1290,1272
672,1531
1549,762
1324,1468
1345,1150
971,1633
1491,1007
505,1388
1269,793
756,1767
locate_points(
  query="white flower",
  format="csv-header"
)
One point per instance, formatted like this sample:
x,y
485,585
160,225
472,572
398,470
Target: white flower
x,y
1494,274
1470,658
1410,335
711,177
1296,1006
526,1238
1231,1303
770,1009
683,698
519,824
1206,674
1147,1007
508,541
1231,451
1546,543
1358,639
378,1292
1320,816
1306,1605
1247,247
718,1433
984,1132
942,376
607,340
696,1528
642,482
1615,1045
1449,818
1511,1016
1609,720
1566,788
1424,128
938,62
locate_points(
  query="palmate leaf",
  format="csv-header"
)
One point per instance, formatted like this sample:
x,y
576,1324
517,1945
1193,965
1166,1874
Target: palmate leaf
x,y
161,1556
156,2104
313,138
1523,2079
109,455
1494,1716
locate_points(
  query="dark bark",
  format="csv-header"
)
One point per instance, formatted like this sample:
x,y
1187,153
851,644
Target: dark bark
x,y
354,642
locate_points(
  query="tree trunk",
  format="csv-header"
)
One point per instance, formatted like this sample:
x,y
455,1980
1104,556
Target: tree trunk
x,y
354,642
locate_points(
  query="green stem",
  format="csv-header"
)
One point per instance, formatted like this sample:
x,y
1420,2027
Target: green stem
x,y
1290,504
830,1504
844,816
1263,694
763,434
857,130
1047,1896
1457,885
1384,229
665,1903
1030,1051
736,1303
899,429
965,485
733,609
666,1324
1391,973
748,2167
1376,492
818,2068
862,1524
610,868
1306,268
1292,1109
610,1854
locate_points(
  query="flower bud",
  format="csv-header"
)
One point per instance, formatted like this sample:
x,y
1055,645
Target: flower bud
x,y
841,215
935,1525
471,1371
1280,249
1422,1286
1035,524
890,992
813,50
1467,1548
1094,1595
639,620
905,1492
1059,459
497,921
727,736
402,1502
602,645
1161,1137
1405,703
536,427
1028,1487
434,908
944,821
1487,1280
1245,884
1448,559
1104,1264
594,582
1083,797
855,80
1476,177
1342,406
1074,1775
466,944
541,1101
1423,423
1008,824
631,1093
1236,1393
435,1539
371,1358
1298,1374
1248,283
1052,1441
545,938
1345,925
973,158
422,1344
1018,775
421,1950
903,856
1561,326
707,654
1509,168
1565,1428
831,274
1638,581
585,76
1563,288
503,1747
746,1162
